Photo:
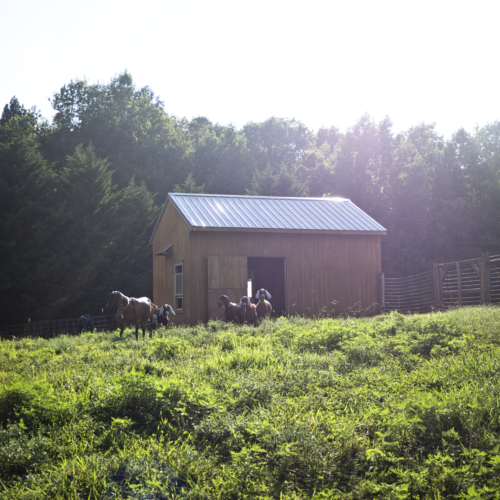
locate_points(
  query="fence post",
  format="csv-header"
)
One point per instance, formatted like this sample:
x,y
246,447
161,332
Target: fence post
x,y
437,286
459,283
485,270
382,293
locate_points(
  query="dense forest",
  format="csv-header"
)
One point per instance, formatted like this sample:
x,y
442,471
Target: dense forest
x,y
80,195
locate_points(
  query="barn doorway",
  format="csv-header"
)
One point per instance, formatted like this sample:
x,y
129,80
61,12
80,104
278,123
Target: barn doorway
x,y
269,273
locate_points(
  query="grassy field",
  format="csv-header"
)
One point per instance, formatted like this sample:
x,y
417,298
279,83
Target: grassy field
x,y
386,407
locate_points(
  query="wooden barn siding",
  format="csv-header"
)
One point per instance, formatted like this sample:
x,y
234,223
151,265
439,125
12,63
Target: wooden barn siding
x,y
344,268
171,230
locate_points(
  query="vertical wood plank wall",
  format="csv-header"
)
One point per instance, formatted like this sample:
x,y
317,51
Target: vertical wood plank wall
x,y
319,268
171,230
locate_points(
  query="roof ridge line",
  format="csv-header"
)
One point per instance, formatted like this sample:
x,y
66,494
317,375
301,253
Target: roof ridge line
x,y
298,198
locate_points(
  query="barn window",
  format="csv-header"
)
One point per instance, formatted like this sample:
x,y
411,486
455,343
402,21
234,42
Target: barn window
x,y
178,286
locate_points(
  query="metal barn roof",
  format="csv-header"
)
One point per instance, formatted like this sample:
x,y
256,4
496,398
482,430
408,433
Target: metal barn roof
x,y
205,211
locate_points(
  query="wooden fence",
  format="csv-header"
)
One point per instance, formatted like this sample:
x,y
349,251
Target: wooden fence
x,y
454,284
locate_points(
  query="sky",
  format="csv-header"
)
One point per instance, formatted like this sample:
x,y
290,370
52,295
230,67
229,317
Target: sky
x,y
324,63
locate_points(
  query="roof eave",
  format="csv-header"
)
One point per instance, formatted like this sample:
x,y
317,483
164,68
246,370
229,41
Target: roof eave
x,y
275,230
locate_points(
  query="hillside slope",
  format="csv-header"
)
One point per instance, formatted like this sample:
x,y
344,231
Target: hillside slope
x,y
386,407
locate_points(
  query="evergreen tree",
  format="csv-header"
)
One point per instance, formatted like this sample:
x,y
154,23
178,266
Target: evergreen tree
x,y
277,181
102,243
30,213
189,186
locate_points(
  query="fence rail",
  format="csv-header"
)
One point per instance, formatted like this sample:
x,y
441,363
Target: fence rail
x,y
47,329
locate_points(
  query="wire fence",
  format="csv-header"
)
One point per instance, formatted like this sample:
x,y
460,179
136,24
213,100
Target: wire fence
x,y
462,284
53,328
413,294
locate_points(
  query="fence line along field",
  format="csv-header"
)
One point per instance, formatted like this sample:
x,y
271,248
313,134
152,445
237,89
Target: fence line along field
x,y
53,328
387,407
462,283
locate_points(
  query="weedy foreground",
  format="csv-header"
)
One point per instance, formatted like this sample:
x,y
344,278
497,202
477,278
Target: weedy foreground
x,y
384,407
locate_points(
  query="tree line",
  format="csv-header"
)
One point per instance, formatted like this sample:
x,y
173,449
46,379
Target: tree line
x,y
80,195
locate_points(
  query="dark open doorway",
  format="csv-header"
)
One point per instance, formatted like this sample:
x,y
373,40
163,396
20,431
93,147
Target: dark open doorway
x,y
269,273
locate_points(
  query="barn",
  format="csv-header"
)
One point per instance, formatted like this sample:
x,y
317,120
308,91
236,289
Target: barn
x,y
307,252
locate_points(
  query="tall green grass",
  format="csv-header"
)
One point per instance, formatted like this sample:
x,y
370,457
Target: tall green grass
x,y
384,407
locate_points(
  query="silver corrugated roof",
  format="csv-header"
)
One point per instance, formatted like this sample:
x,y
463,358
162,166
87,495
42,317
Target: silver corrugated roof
x,y
208,211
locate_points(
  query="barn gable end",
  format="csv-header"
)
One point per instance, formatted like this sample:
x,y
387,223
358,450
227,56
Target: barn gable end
x,y
171,229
